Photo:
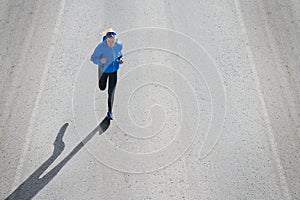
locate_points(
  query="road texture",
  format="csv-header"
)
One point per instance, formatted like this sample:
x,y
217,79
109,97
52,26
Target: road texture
x,y
207,104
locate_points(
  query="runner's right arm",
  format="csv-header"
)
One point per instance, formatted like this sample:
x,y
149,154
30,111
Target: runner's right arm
x,y
96,56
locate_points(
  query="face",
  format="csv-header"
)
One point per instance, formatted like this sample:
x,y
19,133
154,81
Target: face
x,y
111,41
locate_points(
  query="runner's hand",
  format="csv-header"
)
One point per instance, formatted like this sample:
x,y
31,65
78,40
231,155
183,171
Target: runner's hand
x,y
121,61
103,60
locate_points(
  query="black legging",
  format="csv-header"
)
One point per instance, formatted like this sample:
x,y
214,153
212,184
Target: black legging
x,y
111,86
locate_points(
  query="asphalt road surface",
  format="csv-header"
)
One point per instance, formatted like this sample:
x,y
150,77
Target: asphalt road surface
x,y
207,104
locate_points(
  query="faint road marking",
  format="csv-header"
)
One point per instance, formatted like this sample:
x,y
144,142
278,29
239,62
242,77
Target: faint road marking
x,y
271,136
35,110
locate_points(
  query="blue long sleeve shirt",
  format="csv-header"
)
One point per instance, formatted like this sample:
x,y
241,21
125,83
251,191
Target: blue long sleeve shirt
x,y
112,55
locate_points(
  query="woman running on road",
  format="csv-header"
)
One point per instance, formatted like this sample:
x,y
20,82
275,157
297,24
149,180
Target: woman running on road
x,y
108,56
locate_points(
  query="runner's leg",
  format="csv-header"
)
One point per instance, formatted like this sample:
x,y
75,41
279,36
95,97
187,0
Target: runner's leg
x,y
102,79
111,89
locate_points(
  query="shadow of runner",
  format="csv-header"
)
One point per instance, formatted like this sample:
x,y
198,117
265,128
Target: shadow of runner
x,y
33,184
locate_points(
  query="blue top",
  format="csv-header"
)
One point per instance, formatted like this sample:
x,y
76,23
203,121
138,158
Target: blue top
x,y
112,55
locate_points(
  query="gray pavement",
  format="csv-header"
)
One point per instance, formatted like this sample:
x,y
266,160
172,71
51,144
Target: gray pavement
x,y
207,104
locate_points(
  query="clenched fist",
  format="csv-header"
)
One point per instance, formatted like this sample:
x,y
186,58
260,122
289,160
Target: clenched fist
x,y
121,61
103,60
